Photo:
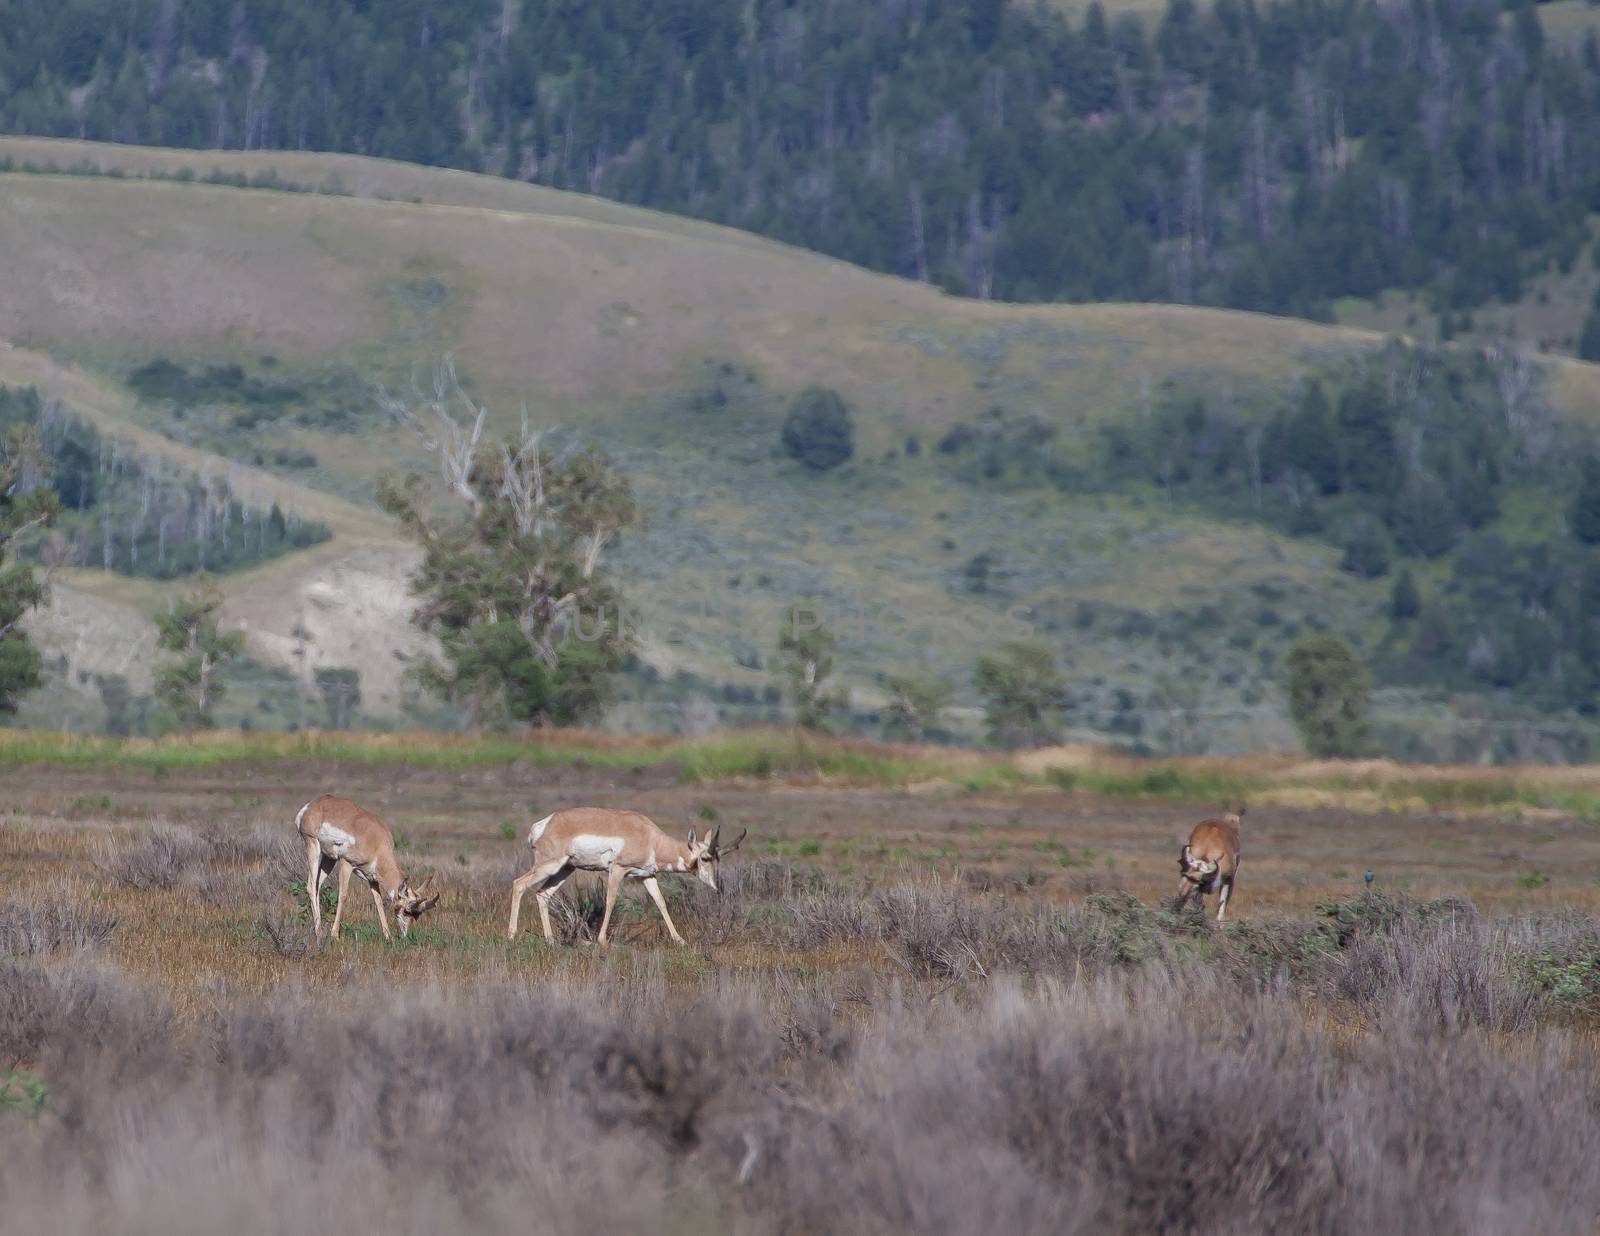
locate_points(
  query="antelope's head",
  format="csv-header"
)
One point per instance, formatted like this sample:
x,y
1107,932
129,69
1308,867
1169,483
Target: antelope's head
x,y
705,853
411,904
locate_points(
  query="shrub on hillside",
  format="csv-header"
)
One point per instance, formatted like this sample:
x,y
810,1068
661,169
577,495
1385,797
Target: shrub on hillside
x,y
819,430
1366,548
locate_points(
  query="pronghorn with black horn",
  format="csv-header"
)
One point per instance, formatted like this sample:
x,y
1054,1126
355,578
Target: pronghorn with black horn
x,y
1210,861
340,838
623,844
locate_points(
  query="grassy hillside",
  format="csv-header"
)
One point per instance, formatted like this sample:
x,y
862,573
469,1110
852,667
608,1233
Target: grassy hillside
x,y
1057,151
677,345
581,310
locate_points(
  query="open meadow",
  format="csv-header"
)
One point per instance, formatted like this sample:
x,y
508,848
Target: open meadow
x,y
939,990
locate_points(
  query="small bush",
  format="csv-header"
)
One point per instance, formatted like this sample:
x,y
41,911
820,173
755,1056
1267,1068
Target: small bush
x,y
160,859
288,934
818,430
28,928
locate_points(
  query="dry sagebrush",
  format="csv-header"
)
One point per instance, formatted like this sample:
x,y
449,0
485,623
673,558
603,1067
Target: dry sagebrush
x,y
1148,1102
1008,1066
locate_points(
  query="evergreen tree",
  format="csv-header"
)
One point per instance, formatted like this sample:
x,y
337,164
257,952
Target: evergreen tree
x,y
1314,441
23,507
1328,688
1583,516
1366,439
1423,516
1589,340
1583,680
1404,599
1366,548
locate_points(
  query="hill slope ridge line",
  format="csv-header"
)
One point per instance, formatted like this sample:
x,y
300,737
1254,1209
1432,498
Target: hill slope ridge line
x,y
106,410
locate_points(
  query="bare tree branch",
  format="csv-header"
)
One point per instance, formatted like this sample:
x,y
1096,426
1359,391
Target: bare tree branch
x,y
455,440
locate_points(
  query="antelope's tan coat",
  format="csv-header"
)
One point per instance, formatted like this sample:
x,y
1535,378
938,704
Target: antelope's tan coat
x,y
342,838
1210,861
625,845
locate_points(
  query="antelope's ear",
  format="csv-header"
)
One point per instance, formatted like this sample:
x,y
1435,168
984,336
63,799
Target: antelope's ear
x,y
711,837
691,839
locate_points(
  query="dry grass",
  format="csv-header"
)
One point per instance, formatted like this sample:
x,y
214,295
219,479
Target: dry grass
x,y
854,1042
797,757
590,312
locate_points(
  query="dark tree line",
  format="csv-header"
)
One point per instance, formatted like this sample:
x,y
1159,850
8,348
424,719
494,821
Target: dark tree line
x,y
1443,470
1265,156
125,514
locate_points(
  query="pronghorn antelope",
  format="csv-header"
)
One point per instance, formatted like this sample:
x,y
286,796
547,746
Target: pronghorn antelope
x,y
1210,861
341,837
623,844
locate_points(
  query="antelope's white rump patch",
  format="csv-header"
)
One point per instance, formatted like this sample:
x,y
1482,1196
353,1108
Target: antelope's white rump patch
x,y
592,850
335,842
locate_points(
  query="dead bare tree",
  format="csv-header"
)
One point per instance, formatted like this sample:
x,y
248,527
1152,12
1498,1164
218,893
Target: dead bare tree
x,y
455,440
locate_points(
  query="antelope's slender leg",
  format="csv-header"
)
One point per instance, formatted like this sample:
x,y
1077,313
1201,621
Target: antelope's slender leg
x,y
538,875
654,889
614,877
314,881
341,872
551,887
1184,888
377,900
1222,900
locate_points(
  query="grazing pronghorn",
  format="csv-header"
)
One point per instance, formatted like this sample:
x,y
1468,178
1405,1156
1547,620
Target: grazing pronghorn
x,y
1210,861
341,837
623,844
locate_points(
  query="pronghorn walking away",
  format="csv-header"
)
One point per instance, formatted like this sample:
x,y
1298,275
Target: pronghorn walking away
x,y
341,837
623,844
1210,861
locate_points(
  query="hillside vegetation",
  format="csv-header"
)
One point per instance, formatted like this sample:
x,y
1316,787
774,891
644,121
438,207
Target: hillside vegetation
x,y
1002,482
1275,156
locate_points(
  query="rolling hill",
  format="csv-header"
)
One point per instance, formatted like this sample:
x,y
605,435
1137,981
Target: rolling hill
x,y
677,345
